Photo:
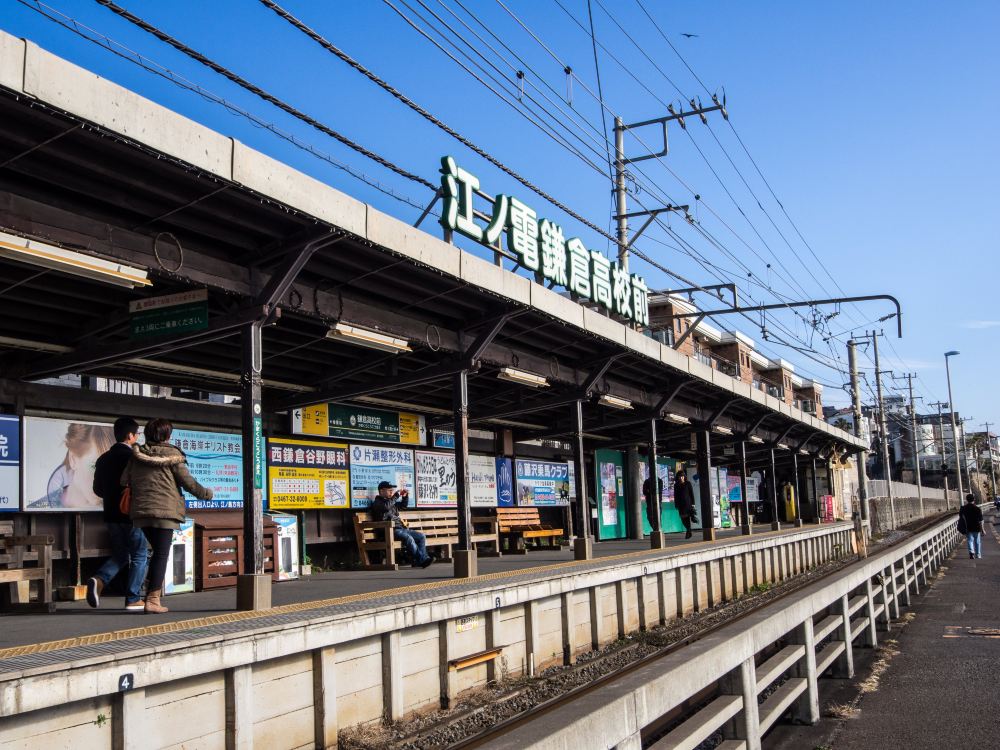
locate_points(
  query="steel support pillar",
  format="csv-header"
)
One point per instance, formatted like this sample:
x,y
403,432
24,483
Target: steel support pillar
x,y
815,491
704,450
772,481
465,554
583,546
746,527
253,589
798,492
655,497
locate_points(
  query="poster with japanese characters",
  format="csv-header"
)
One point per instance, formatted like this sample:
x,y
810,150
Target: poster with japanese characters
x,y
215,459
437,480
371,464
542,482
482,482
58,465
307,474
10,463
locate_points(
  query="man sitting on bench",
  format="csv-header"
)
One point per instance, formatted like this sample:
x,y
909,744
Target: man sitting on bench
x,y
386,507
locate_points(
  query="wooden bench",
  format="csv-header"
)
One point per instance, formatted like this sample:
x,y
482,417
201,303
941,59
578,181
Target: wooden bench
x,y
15,551
517,525
440,527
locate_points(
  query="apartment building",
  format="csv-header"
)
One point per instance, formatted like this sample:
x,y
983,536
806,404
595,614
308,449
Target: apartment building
x,y
731,352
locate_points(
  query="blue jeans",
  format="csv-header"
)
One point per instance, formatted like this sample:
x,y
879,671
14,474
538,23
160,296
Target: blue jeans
x,y
128,550
975,541
415,543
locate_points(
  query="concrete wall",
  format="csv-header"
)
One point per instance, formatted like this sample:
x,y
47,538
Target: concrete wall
x,y
297,686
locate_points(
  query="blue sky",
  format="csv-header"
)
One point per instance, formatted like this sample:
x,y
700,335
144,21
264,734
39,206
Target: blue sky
x,y
873,123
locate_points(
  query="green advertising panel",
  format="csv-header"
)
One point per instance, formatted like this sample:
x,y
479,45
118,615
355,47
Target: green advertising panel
x,y
670,519
610,483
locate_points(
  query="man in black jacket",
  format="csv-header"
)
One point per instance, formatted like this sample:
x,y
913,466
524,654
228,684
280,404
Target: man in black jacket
x,y
386,507
128,544
973,518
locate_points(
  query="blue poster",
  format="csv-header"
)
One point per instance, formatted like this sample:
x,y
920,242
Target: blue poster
x,y
371,464
542,482
444,439
10,463
505,483
215,459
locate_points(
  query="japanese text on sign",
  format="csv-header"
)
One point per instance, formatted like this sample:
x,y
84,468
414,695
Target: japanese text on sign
x,y
542,247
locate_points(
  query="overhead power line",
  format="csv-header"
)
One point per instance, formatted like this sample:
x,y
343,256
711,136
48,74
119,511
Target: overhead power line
x,y
259,92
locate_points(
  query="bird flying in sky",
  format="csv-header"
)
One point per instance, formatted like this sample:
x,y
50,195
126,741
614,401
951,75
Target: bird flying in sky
x,y
688,35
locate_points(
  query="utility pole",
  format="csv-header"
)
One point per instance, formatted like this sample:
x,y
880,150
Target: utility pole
x,y
621,194
852,358
965,454
621,162
989,447
916,446
884,428
944,463
954,430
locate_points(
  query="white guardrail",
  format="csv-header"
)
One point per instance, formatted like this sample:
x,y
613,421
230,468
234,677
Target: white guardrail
x,y
781,651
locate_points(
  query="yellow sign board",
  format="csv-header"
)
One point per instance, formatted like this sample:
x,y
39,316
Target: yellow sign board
x,y
307,474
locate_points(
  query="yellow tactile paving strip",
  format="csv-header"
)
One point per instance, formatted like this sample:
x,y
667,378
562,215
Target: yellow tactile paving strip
x,y
231,617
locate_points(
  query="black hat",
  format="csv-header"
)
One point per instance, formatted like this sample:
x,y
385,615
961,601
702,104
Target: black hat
x,y
386,486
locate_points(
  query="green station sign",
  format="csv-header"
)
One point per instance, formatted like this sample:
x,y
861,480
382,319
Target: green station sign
x,y
170,314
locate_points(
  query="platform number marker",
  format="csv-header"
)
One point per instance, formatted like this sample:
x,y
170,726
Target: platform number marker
x,y
497,602
126,682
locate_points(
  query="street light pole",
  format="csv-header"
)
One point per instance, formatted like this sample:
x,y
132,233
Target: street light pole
x,y
954,429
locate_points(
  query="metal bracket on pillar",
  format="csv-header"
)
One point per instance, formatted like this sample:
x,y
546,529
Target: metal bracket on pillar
x,y
717,414
652,214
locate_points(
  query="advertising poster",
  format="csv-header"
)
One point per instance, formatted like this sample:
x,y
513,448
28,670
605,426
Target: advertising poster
x,y
356,423
505,483
609,495
59,458
437,480
371,464
483,481
725,512
180,560
735,492
305,474
215,459
753,489
542,482
10,463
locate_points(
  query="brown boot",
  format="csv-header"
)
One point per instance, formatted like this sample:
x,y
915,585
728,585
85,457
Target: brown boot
x,y
153,606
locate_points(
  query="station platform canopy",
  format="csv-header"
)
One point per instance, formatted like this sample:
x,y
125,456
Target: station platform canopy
x,y
108,199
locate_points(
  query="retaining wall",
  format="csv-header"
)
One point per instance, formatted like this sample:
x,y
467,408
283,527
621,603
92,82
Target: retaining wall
x,y
295,686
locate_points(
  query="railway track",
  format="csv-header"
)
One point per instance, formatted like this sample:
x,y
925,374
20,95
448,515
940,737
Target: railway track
x,y
498,729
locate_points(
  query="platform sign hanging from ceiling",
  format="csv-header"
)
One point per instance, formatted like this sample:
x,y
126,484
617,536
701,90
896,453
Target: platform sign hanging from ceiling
x,y
541,246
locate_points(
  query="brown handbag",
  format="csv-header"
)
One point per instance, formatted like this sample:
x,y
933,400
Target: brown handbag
x,y
125,504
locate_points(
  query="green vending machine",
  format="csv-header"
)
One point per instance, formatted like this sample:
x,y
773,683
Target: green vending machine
x,y
610,494
670,520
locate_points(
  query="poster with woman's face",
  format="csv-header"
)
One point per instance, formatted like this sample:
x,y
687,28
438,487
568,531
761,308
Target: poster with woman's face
x,y
59,457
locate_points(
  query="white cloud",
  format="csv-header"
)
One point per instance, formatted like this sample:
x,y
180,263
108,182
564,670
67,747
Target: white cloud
x,y
981,324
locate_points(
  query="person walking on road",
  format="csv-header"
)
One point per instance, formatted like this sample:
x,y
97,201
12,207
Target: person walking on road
x,y
156,473
128,544
973,518
386,507
684,500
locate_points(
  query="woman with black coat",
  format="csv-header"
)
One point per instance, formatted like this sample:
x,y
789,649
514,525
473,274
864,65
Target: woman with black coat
x,y
684,500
